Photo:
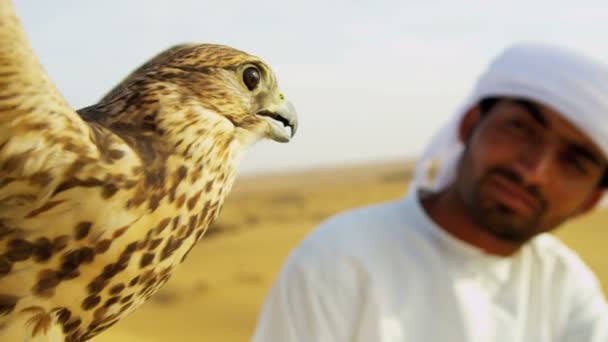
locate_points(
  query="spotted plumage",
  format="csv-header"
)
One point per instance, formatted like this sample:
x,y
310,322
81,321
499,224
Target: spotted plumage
x,y
98,206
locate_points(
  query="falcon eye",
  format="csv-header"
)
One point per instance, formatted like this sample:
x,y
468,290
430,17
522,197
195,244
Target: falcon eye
x,y
251,77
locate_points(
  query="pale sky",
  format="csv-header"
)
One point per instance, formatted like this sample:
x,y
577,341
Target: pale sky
x,y
371,80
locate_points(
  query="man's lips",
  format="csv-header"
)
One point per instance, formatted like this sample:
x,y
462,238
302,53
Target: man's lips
x,y
513,195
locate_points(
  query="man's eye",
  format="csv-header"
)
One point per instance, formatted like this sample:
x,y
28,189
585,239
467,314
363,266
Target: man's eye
x,y
519,127
575,162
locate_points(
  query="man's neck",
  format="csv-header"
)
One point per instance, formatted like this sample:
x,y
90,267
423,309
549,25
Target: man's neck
x,y
447,209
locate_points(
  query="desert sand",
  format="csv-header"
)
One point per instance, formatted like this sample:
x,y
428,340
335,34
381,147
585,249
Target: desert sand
x,y
216,293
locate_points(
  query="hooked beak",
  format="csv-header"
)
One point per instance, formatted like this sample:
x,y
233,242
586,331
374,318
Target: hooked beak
x,y
282,121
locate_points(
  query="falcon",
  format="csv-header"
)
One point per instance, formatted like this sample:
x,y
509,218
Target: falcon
x,y
98,206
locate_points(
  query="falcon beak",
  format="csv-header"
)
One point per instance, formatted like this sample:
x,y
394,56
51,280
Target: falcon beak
x,y
282,121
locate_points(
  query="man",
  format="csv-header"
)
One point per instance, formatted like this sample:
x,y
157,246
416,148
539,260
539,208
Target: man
x,y
465,256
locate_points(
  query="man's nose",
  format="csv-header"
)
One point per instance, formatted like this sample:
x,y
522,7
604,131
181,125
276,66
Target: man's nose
x,y
534,163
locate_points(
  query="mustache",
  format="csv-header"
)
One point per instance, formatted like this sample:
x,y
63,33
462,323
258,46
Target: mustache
x,y
518,179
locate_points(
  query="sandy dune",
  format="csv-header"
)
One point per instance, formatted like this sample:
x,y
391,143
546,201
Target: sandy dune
x,y
216,293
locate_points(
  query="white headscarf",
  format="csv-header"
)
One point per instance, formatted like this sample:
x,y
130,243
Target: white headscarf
x,y
572,84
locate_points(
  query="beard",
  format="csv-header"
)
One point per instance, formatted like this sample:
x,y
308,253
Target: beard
x,y
498,218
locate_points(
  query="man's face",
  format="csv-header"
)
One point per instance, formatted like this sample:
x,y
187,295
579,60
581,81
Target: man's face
x,y
525,170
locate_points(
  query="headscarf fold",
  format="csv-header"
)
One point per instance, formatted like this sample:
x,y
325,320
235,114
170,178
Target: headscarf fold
x,y
573,84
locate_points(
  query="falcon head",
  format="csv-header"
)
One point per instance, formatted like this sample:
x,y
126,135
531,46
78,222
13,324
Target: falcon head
x,y
228,82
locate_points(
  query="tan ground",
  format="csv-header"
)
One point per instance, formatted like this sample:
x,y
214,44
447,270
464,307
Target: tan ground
x,y
216,293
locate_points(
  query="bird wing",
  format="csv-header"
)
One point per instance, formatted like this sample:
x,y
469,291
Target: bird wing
x,y
40,134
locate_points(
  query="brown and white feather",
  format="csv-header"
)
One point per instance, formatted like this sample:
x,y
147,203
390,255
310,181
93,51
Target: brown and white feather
x,y
98,206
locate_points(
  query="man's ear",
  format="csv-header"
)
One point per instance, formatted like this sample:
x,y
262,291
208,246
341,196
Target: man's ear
x,y
467,125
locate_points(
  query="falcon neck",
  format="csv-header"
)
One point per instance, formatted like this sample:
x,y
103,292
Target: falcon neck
x,y
204,141
167,136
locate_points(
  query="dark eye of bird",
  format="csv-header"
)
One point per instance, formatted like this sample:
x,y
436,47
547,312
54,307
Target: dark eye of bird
x,y
251,77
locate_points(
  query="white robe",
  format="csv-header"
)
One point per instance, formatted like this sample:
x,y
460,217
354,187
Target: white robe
x,y
387,273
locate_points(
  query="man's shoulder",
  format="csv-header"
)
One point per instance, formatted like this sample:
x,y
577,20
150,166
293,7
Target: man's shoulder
x,y
355,226
554,255
550,248
362,238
